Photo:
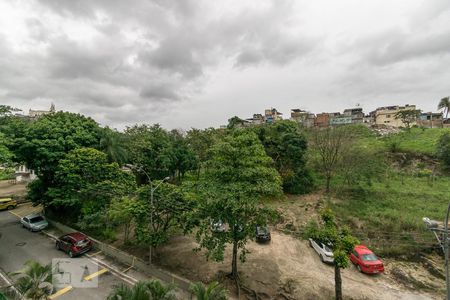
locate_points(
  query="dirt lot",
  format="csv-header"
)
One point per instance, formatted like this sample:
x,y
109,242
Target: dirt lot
x,y
7,189
288,268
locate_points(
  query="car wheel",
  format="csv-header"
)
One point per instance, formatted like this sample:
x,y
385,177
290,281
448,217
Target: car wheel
x,y
359,268
10,207
321,258
70,254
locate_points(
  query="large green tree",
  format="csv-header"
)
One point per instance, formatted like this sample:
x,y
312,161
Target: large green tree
x,y
183,156
150,148
47,140
85,182
408,116
154,219
113,143
340,240
287,145
238,177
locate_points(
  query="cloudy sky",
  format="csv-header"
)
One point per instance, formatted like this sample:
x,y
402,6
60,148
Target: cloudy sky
x,y
195,63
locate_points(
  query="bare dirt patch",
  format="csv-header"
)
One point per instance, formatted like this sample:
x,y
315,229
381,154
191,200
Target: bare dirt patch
x,y
8,189
288,268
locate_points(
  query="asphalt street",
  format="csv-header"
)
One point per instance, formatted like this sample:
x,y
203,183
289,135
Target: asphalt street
x,y
18,245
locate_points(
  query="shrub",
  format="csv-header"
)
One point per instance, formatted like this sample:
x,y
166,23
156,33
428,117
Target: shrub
x,y
443,150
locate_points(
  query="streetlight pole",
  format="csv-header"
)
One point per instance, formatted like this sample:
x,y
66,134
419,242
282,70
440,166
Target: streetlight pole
x,y
446,252
152,191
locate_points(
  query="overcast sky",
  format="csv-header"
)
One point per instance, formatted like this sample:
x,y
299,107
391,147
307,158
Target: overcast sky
x,y
194,63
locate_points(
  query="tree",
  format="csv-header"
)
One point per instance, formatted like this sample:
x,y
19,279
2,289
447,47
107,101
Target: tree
x,y
143,290
6,156
238,176
214,291
201,142
328,147
167,212
445,105
150,148
121,212
443,150
85,182
46,141
112,143
287,146
184,158
34,281
340,240
235,122
408,116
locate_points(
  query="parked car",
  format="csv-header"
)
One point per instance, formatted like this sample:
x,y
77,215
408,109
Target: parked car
x,y
7,203
34,222
217,226
74,244
324,251
262,234
366,261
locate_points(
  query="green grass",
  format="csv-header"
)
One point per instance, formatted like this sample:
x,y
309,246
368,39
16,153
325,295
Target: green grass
x,y
417,140
388,217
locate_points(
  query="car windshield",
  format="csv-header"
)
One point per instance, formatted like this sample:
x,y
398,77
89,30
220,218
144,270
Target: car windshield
x,y
369,257
326,248
36,219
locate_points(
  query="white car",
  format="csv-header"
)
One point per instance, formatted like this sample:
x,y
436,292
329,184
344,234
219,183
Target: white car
x,y
325,253
34,222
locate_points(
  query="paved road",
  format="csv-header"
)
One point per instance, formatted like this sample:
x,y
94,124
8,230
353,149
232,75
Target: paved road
x,y
17,245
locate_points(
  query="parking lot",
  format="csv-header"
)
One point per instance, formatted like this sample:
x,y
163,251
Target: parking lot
x,y
19,245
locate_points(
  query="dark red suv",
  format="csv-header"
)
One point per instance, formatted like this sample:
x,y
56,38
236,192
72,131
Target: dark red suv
x,y
74,244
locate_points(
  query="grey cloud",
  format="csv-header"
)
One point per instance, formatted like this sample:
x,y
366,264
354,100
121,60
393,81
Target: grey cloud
x,y
401,47
159,93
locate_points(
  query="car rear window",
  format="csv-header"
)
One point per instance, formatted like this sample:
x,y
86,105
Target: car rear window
x,y
82,242
369,257
36,219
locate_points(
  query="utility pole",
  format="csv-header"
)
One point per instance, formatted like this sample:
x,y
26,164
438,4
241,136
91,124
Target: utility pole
x,y
152,191
447,279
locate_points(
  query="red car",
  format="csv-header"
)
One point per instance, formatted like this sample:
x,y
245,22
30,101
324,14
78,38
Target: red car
x,y
74,244
366,261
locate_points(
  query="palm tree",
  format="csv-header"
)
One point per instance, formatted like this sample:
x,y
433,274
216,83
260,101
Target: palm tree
x,y
123,292
159,291
445,105
113,145
143,290
214,291
34,280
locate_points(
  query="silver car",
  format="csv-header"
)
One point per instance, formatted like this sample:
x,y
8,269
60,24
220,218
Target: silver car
x,y
325,253
34,222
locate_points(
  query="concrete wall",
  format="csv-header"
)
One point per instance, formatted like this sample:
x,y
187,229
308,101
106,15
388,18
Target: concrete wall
x,y
129,259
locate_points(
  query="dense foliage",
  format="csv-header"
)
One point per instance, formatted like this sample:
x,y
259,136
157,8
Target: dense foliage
x,y
85,183
287,145
238,176
46,141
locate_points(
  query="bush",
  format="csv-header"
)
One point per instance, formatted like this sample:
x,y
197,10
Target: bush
x,y
443,150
